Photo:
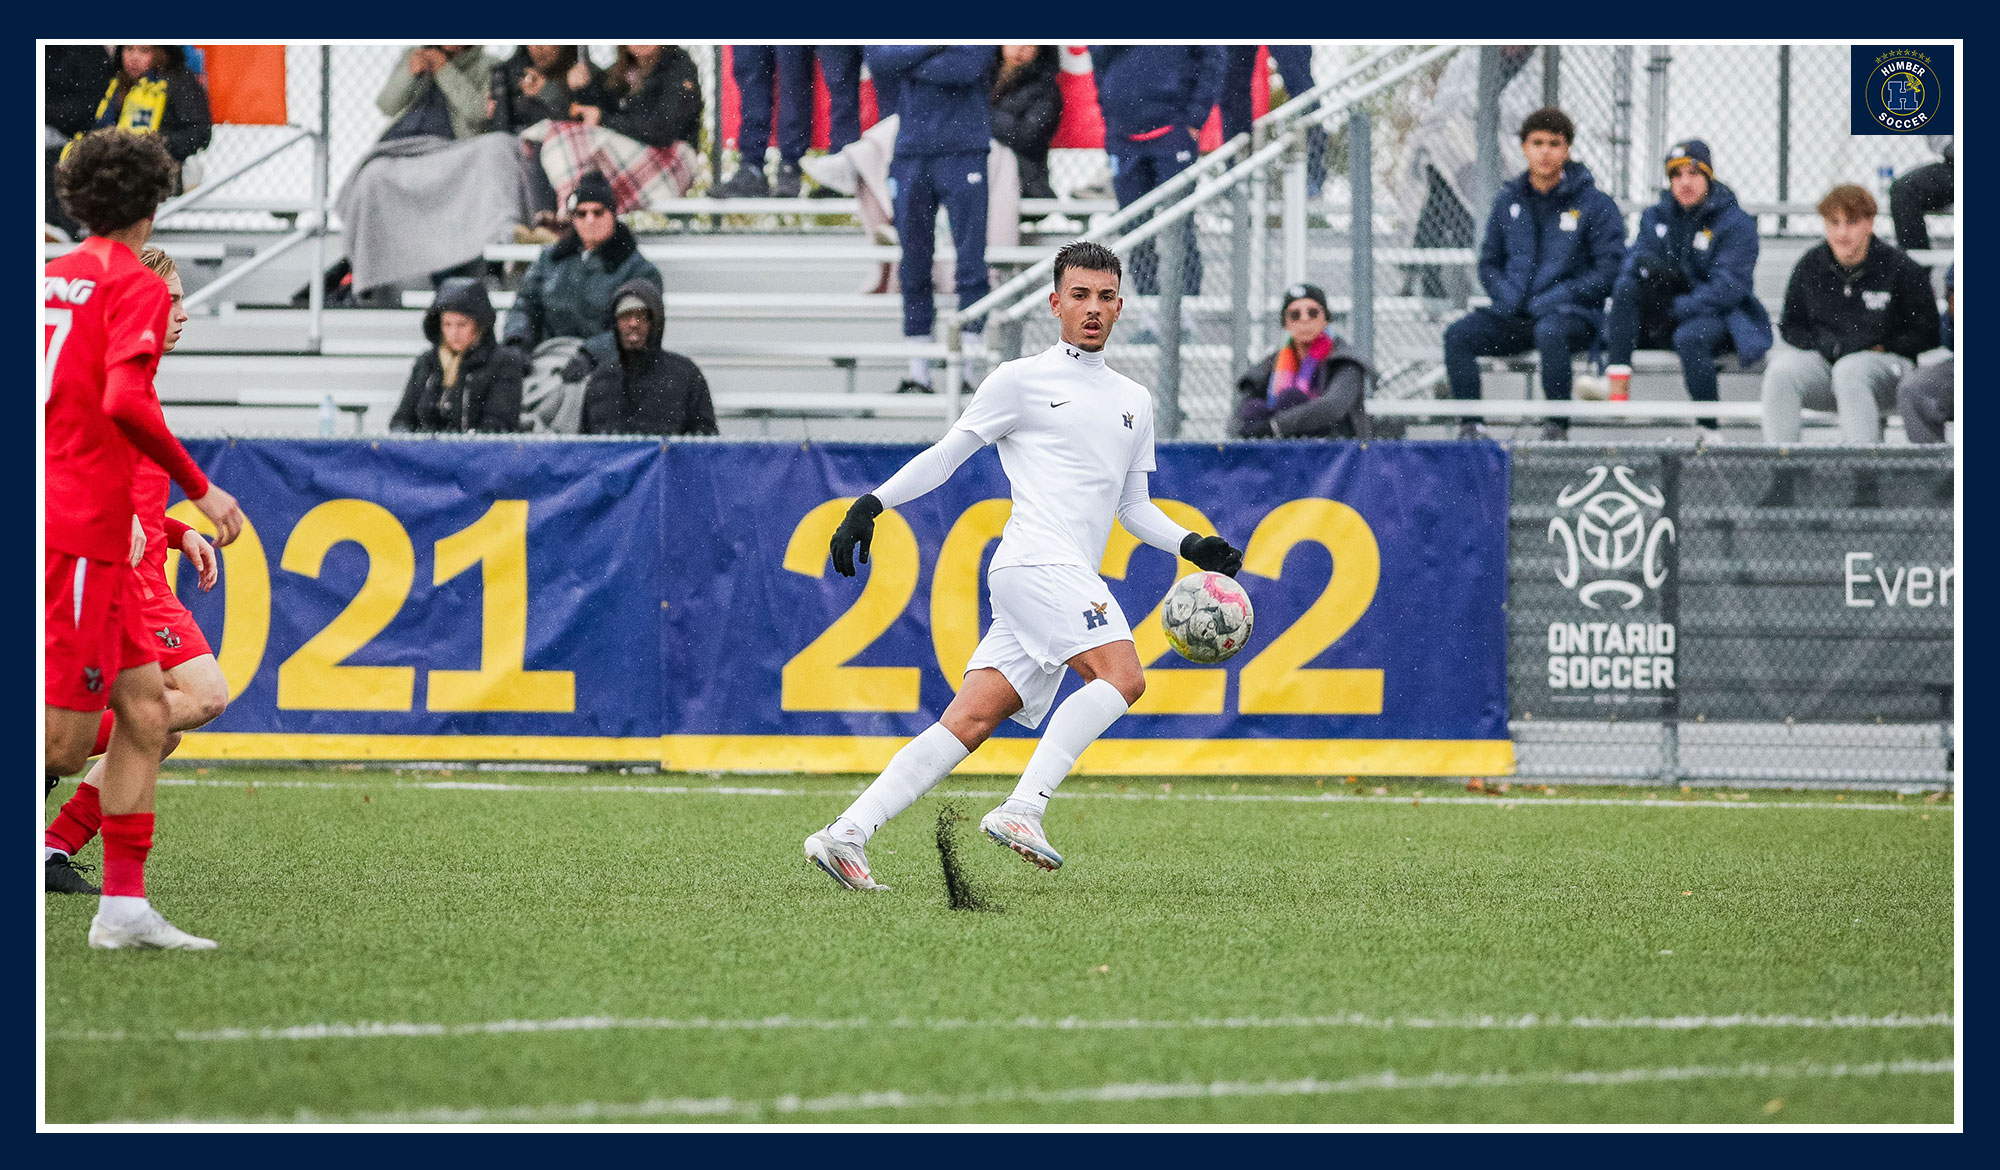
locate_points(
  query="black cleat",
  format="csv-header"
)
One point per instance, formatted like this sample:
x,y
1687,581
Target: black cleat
x,y
62,875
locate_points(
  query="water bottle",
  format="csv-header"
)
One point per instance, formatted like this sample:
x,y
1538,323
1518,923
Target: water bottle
x,y
329,414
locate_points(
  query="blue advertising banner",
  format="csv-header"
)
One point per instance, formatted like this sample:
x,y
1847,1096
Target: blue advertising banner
x,y
430,599
677,604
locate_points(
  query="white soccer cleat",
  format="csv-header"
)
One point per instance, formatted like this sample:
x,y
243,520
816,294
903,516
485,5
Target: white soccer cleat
x,y
150,931
1021,830
843,862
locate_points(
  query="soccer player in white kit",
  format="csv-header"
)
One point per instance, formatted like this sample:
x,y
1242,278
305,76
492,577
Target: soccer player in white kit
x,y
1076,441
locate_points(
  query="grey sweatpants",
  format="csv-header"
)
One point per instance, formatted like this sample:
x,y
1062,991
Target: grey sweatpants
x,y
1859,387
1925,400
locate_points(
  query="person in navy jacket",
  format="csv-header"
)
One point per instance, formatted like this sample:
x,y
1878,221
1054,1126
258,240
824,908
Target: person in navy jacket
x,y
940,96
1687,281
1551,250
1155,100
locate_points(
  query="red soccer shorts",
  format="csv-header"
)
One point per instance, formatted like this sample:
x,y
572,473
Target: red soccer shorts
x,y
170,628
92,631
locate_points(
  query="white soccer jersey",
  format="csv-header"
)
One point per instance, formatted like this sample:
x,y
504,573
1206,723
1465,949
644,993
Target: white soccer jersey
x,y
1069,429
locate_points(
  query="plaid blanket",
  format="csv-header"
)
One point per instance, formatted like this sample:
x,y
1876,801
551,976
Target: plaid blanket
x,y
642,176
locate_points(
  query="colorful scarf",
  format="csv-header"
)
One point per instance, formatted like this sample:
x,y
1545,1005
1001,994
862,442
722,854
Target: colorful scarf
x,y
1289,373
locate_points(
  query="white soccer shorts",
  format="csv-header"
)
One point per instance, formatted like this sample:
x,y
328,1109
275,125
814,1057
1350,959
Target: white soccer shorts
x,y
1043,616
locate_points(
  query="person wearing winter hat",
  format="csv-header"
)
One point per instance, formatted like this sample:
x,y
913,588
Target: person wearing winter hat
x,y
1686,282
568,290
1312,386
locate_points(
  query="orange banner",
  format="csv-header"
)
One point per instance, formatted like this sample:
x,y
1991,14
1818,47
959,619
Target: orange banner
x,y
246,83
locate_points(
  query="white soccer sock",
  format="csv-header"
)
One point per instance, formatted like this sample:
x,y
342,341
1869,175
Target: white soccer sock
x,y
116,908
1076,724
913,771
49,851
920,368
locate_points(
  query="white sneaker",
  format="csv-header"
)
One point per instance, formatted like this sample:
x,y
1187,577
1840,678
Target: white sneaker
x,y
842,861
150,931
831,170
1021,830
1592,388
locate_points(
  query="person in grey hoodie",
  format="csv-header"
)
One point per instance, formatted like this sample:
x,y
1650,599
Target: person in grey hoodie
x,y
465,381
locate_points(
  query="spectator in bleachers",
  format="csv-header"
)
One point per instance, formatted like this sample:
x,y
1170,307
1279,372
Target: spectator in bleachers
x,y
435,189
436,91
944,128
568,290
464,382
1924,397
1312,387
539,83
1857,313
1027,105
1687,281
1294,64
1155,99
74,78
153,92
1920,190
638,126
756,68
633,386
1551,251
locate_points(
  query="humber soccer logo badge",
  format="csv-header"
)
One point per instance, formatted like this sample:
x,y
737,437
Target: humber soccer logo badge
x,y
1612,535
1902,89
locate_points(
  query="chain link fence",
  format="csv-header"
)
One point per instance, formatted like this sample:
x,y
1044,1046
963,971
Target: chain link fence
x,y
1737,614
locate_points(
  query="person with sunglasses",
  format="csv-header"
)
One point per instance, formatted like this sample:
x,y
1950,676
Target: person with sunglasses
x,y
1312,387
568,290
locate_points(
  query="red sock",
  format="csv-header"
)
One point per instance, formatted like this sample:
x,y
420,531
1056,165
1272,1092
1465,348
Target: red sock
x,y
103,735
127,839
77,823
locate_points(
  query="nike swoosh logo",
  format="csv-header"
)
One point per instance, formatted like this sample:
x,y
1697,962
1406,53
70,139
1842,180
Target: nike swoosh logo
x,y
1064,402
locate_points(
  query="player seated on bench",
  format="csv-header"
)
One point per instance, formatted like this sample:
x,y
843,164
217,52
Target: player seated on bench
x,y
1686,283
1551,248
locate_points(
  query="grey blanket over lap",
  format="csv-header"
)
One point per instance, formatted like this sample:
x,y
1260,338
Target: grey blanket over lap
x,y
413,206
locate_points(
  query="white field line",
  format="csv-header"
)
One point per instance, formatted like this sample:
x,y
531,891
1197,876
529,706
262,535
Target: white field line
x,y
375,1030
1117,1093
1205,797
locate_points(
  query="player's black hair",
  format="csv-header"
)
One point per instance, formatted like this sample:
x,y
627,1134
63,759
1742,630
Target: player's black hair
x,y
114,178
1087,255
1551,119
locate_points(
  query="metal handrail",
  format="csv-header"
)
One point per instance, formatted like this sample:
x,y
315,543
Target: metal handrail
x,y
192,198
1206,192
1036,273
1205,189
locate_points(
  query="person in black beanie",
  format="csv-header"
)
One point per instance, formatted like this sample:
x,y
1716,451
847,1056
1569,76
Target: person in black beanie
x,y
568,290
1312,386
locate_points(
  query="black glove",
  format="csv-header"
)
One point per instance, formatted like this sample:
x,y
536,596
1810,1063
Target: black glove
x,y
856,529
1212,553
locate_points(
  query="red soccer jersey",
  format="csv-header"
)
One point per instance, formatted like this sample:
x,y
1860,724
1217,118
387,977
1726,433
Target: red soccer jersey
x,y
101,310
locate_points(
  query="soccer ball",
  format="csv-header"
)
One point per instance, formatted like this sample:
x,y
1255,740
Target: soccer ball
x,y
1207,617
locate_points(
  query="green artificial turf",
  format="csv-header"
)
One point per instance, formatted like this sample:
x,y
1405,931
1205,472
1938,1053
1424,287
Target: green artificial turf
x,y
1212,952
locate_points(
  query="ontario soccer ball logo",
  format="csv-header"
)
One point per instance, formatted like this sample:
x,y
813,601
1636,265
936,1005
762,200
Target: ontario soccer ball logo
x,y
1207,617
1610,534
